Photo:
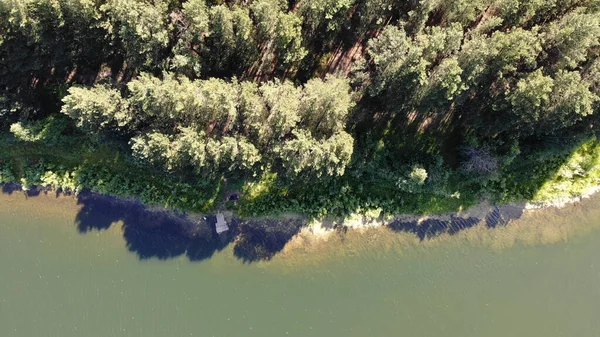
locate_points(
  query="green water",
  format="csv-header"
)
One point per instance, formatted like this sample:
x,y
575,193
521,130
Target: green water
x,y
55,281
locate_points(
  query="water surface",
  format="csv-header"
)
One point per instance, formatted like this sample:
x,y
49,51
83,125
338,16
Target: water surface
x,y
58,281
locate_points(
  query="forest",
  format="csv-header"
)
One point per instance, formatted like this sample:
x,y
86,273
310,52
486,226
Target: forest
x,y
318,107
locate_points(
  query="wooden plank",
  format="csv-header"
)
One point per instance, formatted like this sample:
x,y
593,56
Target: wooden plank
x,y
221,224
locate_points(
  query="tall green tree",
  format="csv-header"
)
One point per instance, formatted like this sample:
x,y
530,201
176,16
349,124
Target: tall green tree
x,y
96,109
45,41
192,149
305,155
192,28
208,105
219,40
329,14
461,11
163,102
399,66
279,34
570,39
325,105
141,28
281,115
529,100
544,104
571,100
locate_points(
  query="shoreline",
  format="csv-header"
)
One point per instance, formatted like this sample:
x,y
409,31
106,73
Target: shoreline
x,y
492,215
262,238
482,210
357,221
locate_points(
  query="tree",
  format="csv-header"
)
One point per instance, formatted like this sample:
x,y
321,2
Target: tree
x,y
231,153
473,58
304,154
518,12
282,114
158,149
254,114
570,39
509,50
571,100
218,109
374,14
445,82
544,104
413,181
190,148
265,13
196,14
327,13
530,98
97,108
288,39
43,39
440,42
229,43
338,151
192,30
485,59
208,105
399,65
324,106
279,34
461,11
161,103
141,27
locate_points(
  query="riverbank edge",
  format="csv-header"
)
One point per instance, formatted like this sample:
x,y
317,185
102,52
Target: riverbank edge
x,y
484,211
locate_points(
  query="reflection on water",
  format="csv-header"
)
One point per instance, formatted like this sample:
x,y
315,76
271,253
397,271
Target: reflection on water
x,y
99,267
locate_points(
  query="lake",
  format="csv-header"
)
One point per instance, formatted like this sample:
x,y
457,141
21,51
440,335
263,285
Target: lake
x,y
538,276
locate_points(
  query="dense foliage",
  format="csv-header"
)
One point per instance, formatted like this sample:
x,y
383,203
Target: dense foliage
x,y
314,106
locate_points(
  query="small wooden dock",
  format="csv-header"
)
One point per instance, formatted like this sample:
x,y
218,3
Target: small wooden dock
x,y
221,224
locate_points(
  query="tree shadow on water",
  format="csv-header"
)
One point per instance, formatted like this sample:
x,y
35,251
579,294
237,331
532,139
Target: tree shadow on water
x,y
151,233
501,215
262,239
430,228
10,188
99,212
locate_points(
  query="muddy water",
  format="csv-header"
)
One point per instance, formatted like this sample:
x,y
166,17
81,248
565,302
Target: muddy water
x,y
538,276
